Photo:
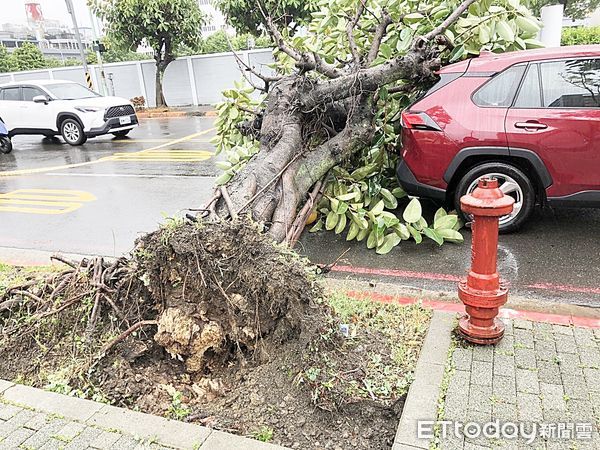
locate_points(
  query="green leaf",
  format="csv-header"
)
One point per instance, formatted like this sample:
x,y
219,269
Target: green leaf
x,y
446,222
389,242
362,234
331,221
433,235
505,31
415,234
413,18
451,235
413,211
223,179
438,214
533,43
341,224
223,165
353,231
334,202
484,34
378,208
402,231
457,53
527,25
399,192
372,240
318,226
347,197
389,200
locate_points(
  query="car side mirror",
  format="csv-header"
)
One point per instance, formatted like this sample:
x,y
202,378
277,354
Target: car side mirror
x,y
40,99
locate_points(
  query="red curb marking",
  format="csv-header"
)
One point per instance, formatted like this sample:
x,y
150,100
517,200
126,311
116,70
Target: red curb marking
x,y
564,288
453,278
505,313
397,273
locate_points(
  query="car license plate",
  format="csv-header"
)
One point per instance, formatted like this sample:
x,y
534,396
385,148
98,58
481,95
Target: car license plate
x,y
125,120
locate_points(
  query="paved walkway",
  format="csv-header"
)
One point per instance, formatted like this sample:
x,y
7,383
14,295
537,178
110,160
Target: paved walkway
x,y
35,419
539,388
540,374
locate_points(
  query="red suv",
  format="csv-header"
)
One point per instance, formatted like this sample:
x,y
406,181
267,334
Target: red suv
x,y
529,118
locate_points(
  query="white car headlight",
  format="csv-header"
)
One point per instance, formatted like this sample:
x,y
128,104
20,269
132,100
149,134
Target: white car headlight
x,y
88,109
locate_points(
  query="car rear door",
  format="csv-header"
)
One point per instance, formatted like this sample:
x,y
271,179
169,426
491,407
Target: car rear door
x,y
9,107
556,114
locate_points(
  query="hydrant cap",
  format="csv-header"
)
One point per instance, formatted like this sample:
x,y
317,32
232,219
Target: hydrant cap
x,y
487,199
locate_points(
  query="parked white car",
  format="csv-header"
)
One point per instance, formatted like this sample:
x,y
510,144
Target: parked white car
x,y
54,107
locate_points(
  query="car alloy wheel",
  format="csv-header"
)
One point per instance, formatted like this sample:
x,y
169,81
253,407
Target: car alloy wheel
x,y
510,187
71,132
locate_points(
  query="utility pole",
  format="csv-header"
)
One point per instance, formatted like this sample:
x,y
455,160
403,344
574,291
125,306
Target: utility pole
x,y
103,84
88,75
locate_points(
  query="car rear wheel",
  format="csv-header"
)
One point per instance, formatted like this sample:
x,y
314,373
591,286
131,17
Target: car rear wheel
x,y
121,134
512,181
72,132
5,145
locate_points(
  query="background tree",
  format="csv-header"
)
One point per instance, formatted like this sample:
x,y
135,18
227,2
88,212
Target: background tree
x,y
575,9
327,121
6,63
27,57
164,25
245,17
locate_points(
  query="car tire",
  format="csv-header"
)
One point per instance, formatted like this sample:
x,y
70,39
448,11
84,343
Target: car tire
x,y
5,145
121,134
72,132
516,183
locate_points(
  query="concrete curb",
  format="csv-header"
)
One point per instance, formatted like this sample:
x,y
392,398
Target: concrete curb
x,y
31,257
171,114
170,433
422,399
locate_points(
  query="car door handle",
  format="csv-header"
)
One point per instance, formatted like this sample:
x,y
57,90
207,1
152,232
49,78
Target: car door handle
x,y
531,125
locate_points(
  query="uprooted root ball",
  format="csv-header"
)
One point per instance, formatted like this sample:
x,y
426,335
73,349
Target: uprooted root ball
x,y
224,290
213,292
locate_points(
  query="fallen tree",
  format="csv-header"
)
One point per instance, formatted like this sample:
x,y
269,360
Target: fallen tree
x,y
327,121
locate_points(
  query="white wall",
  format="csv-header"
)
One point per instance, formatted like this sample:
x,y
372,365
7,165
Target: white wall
x,y
193,80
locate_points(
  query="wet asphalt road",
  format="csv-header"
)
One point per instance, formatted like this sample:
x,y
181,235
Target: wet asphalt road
x,y
96,199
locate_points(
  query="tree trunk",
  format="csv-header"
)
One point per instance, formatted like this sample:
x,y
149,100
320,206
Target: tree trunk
x,y
160,72
314,120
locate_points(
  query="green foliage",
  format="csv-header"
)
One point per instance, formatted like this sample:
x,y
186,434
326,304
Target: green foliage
x,y
580,36
162,24
220,42
575,9
6,62
361,197
264,434
28,57
246,17
177,410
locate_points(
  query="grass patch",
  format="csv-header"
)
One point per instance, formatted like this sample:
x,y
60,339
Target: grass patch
x,y
375,360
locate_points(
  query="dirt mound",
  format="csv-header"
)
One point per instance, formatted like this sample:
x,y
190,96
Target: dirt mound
x,y
214,324
225,290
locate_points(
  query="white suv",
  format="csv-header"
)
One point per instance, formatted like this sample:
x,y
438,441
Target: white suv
x,y
53,107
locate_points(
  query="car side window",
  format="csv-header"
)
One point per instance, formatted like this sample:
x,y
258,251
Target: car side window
x,y
30,92
571,84
530,95
500,90
12,94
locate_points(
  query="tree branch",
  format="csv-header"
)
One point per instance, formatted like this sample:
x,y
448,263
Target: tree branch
x,y
380,32
350,32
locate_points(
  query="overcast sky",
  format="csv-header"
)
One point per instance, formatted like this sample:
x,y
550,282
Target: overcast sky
x,y
13,11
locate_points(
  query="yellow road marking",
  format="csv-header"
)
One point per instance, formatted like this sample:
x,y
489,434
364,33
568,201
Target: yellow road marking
x,y
162,155
13,173
44,201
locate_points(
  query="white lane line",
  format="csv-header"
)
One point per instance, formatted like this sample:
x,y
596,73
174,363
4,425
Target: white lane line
x,y
124,175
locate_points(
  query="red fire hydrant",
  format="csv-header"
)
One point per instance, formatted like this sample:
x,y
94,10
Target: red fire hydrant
x,y
483,293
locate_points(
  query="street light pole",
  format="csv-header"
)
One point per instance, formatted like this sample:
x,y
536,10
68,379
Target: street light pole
x,y
88,77
103,84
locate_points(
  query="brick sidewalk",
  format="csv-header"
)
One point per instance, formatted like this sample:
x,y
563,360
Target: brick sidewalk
x,y
539,373
35,419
